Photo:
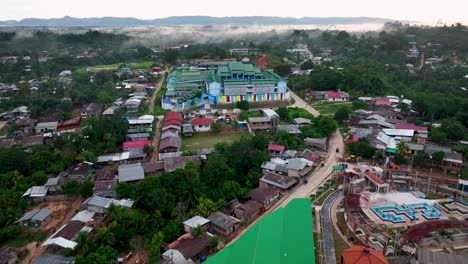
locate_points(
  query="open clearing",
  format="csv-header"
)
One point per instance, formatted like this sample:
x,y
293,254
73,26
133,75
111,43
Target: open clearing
x,y
209,139
329,108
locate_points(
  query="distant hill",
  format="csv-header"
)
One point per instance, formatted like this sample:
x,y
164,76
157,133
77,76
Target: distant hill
x,y
191,20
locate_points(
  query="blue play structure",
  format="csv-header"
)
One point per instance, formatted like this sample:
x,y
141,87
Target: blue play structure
x,y
393,213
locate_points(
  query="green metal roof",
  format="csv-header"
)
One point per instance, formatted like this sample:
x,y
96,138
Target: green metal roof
x,y
390,150
338,167
284,236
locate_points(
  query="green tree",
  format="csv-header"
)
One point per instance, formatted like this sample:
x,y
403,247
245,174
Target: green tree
x,y
87,189
243,105
283,69
341,114
213,243
420,158
402,148
70,187
438,157
362,148
198,231
206,206
154,248
148,149
216,127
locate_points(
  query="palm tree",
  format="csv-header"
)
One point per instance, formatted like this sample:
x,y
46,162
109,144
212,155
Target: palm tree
x,y
402,148
83,246
104,237
112,213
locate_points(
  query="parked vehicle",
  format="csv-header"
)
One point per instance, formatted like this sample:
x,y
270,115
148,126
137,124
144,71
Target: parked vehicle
x,y
337,150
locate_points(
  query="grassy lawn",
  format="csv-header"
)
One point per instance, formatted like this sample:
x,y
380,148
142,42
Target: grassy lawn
x,y
137,65
329,108
340,245
324,196
209,139
105,67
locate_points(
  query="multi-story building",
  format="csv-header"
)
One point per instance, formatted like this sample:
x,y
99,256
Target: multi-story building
x,y
227,82
245,82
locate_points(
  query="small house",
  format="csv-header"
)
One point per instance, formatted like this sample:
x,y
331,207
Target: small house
x,y
277,180
222,224
132,105
275,150
81,171
187,130
202,124
319,143
172,164
260,123
36,192
52,184
65,236
34,218
99,204
337,97
265,195
248,211
195,222
25,126
131,172
170,144
43,127
89,110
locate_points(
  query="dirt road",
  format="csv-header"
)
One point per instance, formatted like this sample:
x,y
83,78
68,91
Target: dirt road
x,y
302,104
155,92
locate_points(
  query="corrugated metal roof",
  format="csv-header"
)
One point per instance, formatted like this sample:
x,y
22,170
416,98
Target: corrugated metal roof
x,y
196,221
131,172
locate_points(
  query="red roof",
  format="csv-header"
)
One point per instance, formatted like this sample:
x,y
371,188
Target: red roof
x,y
308,94
135,144
355,138
383,102
410,126
276,147
374,177
202,121
362,255
333,95
173,122
173,116
312,158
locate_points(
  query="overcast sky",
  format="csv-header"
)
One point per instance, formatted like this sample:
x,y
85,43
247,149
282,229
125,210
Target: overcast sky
x,y
419,10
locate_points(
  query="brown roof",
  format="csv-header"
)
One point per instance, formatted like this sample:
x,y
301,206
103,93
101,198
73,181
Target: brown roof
x,y
32,141
170,142
70,230
79,169
7,143
362,255
278,180
106,185
192,247
107,173
172,164
262,194
25,122
153,166
251,207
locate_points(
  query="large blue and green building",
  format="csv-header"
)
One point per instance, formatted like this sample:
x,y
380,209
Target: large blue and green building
x,y
224,83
